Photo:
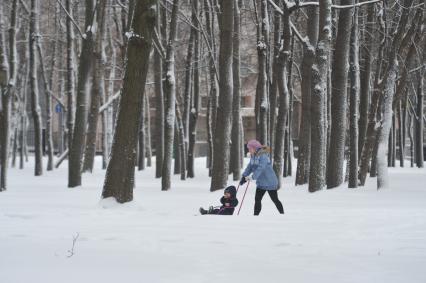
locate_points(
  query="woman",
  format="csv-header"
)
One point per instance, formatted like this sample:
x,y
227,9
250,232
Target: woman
x,y
266,180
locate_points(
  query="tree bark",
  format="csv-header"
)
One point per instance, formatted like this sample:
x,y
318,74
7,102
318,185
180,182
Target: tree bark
x,y
303,159
170,95
262,103
222,134
419,122
318,98
236,102
98,87
48,102
354,102
365,83
389,82
274,86
35,104
159,104
70,79
283,97
119,179
213,99
147,123
4,105
336,156
84,68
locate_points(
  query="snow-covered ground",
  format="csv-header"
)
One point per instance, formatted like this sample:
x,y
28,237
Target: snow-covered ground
x,y
338,235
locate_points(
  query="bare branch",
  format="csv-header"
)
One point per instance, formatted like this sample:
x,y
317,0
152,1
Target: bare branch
x,y
71,18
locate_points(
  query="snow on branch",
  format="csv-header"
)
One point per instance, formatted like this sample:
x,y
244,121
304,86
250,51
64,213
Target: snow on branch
x,y
292,6
71,19
131,35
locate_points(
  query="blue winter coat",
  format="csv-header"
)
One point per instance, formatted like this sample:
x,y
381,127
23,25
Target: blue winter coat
x,y
260,166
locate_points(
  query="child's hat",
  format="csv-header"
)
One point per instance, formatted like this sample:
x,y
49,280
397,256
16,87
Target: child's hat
x,y
231,190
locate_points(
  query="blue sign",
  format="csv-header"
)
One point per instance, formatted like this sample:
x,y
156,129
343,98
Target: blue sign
x,y
58,108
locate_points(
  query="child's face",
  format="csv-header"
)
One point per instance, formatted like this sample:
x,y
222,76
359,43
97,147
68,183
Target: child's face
x,y
252,150
227,195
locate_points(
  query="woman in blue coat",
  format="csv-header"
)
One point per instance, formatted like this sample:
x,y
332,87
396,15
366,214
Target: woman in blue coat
x,y
266,180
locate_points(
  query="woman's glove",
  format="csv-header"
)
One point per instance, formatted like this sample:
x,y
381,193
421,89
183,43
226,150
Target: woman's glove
x,y
245,179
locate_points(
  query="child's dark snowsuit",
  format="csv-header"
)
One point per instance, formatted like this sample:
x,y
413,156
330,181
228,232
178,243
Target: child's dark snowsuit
x,y
224,209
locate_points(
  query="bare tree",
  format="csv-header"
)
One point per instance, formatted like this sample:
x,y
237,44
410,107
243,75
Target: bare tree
x,y
170,96
340,68
159,103
119,178
4,104
262,103
389,82
70,78
354,102
283,96
319,94
84,69
35,105
236,135
303,160
222,134
98,89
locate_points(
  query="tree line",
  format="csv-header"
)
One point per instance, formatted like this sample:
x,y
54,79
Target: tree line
x,y
356,68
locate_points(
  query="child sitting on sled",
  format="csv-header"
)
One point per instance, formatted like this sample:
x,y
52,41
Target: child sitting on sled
x,y
229,202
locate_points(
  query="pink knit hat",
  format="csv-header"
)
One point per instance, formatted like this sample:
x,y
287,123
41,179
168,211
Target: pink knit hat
x,y
254,144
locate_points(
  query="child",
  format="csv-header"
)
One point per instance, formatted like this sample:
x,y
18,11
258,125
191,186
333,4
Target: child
x,y
229,202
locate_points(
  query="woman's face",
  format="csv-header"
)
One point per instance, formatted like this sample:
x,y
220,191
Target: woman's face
x,y
252,150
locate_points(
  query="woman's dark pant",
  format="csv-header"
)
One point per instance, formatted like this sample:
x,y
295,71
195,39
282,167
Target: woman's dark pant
x,y
258,200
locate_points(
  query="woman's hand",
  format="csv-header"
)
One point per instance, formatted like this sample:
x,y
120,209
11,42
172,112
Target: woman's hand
x,y
242,181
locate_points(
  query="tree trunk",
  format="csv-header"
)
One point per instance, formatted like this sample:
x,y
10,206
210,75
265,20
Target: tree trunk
x,y
48,102
283,97
319,95
98,87
354,101
70,80
189,69
170,95
222,134
365,83
236,102
336,156
4,105
419,123
84,68
141,138
147,123
401,129
389,82
304,151
119,179
176,150
262,103
159,105
195,101
180,134
35,105
410,136
274,86
213,100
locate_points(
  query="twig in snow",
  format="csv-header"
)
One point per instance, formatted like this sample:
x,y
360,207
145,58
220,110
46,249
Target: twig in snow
x,y
74,240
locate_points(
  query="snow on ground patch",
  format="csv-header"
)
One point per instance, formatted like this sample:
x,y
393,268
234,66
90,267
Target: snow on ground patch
x,y
337,235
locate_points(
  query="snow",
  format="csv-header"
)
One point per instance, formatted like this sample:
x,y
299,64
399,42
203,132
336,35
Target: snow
x,y
131,34
339,235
